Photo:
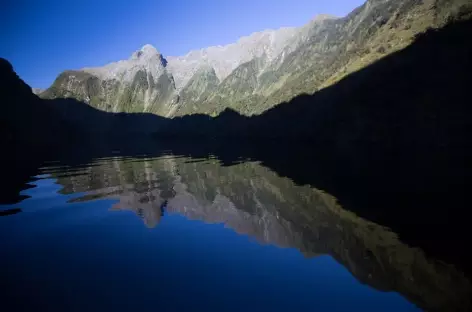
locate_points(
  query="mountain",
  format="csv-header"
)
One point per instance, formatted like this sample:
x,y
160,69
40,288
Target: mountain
x,y
258,71
139,84
33,125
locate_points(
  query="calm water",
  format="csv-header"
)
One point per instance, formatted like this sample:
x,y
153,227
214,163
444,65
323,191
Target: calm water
x,y
172,233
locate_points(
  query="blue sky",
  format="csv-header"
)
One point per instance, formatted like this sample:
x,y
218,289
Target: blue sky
x,y
43,38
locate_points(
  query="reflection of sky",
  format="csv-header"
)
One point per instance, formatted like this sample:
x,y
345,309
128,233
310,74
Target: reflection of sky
x,y
84,254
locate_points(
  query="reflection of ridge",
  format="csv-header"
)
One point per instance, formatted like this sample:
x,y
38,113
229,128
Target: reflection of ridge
x,y
255,201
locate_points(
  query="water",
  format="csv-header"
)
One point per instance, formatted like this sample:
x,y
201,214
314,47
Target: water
x,y
170,233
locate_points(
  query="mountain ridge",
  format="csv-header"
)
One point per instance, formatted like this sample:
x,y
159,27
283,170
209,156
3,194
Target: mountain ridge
x,y
258,71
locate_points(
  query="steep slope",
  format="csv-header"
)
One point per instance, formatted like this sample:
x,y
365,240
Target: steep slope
x,y
231,92
26,123
369,33
202,85
327,49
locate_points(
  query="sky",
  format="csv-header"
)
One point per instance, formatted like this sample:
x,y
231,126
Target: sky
x,y
43,38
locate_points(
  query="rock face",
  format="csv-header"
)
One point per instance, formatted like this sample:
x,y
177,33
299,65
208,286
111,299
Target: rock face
x,y
258,71
225,59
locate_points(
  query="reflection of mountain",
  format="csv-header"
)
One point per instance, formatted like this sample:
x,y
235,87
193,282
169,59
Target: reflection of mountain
x,y
255,201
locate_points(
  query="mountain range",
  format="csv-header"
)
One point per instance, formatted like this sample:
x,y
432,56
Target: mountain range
x,y
258,71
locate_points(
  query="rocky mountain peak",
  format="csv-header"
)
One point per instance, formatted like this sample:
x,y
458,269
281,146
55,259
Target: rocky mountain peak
x,y
147,59
147,52
323,17
149,49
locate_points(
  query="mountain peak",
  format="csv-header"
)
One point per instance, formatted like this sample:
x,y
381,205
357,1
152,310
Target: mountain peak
x,y
149,49
146,52
147,59
322,17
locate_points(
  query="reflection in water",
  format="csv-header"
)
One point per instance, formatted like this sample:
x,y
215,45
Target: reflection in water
x,y
252,200
10,211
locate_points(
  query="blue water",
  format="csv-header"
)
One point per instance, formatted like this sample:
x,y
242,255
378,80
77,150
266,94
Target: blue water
x,y
61,253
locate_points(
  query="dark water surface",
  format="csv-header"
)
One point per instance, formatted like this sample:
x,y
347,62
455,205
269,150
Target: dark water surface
x,y
169,233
